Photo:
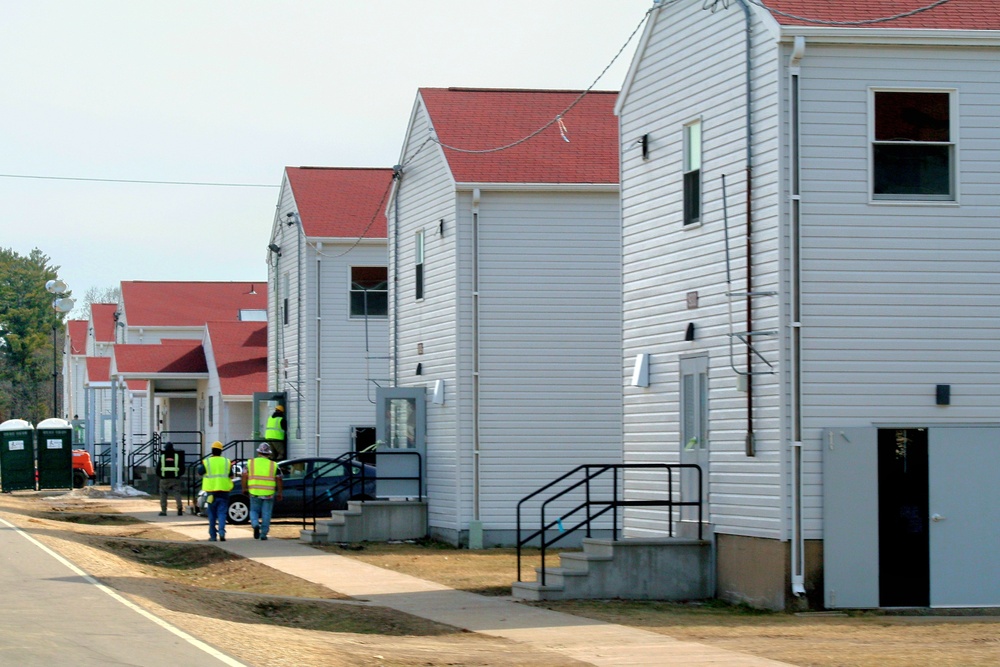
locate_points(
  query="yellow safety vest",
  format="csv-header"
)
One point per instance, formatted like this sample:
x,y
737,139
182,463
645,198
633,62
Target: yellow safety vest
x,y
261,477
274,430
217,475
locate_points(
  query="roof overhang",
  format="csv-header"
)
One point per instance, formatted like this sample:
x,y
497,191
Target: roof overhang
x,y
876,37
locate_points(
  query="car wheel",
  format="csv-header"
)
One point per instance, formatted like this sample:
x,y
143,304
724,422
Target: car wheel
x,y
239,509
79,479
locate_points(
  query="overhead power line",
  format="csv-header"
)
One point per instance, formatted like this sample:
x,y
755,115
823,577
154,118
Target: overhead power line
x,y
127,180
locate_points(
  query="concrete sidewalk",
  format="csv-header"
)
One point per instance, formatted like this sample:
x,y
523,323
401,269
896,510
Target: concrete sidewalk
x,y
591,642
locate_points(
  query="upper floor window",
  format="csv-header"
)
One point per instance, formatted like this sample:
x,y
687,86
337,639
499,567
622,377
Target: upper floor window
x,y
913,150
369,291
418,264
692,173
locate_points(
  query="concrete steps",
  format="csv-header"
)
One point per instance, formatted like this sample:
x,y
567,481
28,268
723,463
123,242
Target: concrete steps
x,y
371,521
634,569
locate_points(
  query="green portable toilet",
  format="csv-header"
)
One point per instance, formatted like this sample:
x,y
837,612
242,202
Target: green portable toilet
x,y
17,455
54,445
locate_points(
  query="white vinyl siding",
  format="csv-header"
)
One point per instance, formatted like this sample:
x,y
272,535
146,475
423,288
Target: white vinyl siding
x,y
425,330
549,341
900,296
663,261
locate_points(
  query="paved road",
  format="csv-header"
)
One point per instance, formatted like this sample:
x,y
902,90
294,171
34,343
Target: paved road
x,y
52,613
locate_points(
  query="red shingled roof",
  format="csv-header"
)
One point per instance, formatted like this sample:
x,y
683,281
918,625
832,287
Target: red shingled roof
x,y
98,369
476,119
240,351
155,359
952,15
341,202
180,304
103,317
77,336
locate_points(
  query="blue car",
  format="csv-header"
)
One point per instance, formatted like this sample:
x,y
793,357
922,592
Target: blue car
x,y
331,482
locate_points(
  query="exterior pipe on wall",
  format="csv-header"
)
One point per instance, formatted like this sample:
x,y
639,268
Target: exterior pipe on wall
x,y
397,176
750,445
476,196
319,338
798,540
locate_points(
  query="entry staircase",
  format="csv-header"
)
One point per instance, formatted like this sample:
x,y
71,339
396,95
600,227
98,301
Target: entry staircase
x,y
591,497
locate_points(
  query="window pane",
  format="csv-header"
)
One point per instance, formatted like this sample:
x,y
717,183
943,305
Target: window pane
x,y
902,169
369,291
692,197
912,116
692,146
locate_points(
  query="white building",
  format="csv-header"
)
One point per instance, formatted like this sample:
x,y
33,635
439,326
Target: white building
x,y
327,334
505,306
850,443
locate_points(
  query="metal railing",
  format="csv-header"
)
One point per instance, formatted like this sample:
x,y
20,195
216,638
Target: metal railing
x,y
145,454
571,488
102,463
355,485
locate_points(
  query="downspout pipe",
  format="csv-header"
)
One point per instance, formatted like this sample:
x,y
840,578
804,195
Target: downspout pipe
x,y
750,444
798,539
319,340
397,175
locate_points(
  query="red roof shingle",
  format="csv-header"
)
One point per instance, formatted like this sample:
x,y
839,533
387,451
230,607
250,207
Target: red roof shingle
x,y
77,336
103,317
186,358
98,369
240,351
341,202
477,119
952,15
187,304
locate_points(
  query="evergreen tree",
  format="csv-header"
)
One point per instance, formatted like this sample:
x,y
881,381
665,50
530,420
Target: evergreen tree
x,y
27,322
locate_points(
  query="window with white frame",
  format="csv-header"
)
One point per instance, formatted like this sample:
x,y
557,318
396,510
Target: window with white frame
x,y
692,173
694,403
369,291
418,264
285,279
913,149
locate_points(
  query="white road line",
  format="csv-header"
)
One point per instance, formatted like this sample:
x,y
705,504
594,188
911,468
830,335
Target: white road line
x,y
197,643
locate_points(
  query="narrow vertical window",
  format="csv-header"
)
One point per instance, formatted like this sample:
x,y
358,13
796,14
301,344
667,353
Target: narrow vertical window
x,y
418,261
284,300
211,410
692,173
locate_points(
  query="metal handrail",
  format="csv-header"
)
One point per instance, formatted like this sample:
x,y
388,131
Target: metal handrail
x,y
596,508
145,452
350,481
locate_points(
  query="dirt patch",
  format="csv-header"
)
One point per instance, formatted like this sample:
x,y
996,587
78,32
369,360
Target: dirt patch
x,y
222,599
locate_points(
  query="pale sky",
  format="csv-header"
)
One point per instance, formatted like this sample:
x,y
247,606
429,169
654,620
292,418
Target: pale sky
x,y
232,92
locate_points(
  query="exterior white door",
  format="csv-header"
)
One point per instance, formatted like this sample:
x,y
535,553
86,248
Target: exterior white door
x,y
694,432
964,510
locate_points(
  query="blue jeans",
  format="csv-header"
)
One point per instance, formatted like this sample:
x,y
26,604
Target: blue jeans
x,y
261,508
217,510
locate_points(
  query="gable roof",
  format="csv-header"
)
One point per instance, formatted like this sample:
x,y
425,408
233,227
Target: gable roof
x,y
77,330
98,369
240,353
180,357
189,304
477,119
952,15
103,317
340,202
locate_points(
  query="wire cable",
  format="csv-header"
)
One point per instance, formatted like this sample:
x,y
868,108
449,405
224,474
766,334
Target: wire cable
x,y
126,180
884,19
558,118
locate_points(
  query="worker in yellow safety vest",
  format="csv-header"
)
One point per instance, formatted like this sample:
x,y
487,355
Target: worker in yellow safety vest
x,y
217,483
274,432
262,480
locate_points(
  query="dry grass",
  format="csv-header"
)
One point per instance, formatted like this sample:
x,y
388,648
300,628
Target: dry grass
x,y
861,639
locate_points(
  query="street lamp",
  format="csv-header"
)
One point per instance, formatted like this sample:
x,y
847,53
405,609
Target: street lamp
x,y
61,305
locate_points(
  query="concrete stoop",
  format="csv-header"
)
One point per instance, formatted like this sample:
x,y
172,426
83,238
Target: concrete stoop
x,y
633,569
371,521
